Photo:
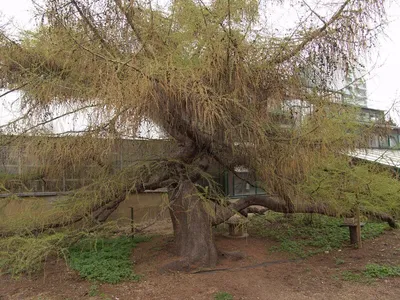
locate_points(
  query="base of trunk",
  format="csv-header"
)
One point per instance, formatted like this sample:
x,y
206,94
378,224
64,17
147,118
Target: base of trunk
x,y
194,241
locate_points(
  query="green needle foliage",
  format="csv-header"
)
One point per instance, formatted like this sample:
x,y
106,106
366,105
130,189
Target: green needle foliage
x,y
344,185
105,260
21,254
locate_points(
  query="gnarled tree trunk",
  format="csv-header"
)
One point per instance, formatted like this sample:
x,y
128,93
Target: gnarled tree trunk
x,y
194,240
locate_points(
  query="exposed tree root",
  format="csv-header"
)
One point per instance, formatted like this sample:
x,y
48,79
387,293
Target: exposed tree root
x,y
179,265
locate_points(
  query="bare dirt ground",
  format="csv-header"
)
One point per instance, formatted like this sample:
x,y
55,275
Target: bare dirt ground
x,y
260,275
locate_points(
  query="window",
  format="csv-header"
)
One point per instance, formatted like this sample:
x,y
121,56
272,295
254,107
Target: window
x,y
242,184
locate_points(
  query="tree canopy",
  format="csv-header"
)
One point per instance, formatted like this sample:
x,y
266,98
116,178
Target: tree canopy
x,y
219,82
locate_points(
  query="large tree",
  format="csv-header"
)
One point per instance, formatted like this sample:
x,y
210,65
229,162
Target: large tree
x,y
215,78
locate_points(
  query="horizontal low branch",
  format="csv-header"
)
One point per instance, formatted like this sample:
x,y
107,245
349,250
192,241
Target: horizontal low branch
x,y
223,213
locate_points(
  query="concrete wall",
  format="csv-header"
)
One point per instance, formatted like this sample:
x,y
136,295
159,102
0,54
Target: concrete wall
x,y
146,207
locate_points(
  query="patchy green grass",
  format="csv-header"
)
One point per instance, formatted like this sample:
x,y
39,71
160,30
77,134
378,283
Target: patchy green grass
x,y
223,296
105,260
303,235
371,272
381,271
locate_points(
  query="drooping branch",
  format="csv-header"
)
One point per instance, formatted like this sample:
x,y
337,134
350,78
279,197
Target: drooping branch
x,y
100,210
64,223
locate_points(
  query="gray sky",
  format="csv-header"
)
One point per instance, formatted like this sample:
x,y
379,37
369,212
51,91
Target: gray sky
x,y
382,83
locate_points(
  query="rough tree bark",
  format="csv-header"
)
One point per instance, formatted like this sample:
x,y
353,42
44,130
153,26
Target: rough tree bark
x,y
194,241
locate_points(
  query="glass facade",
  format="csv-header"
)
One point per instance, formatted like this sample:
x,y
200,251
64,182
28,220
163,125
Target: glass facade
x,y
240,185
